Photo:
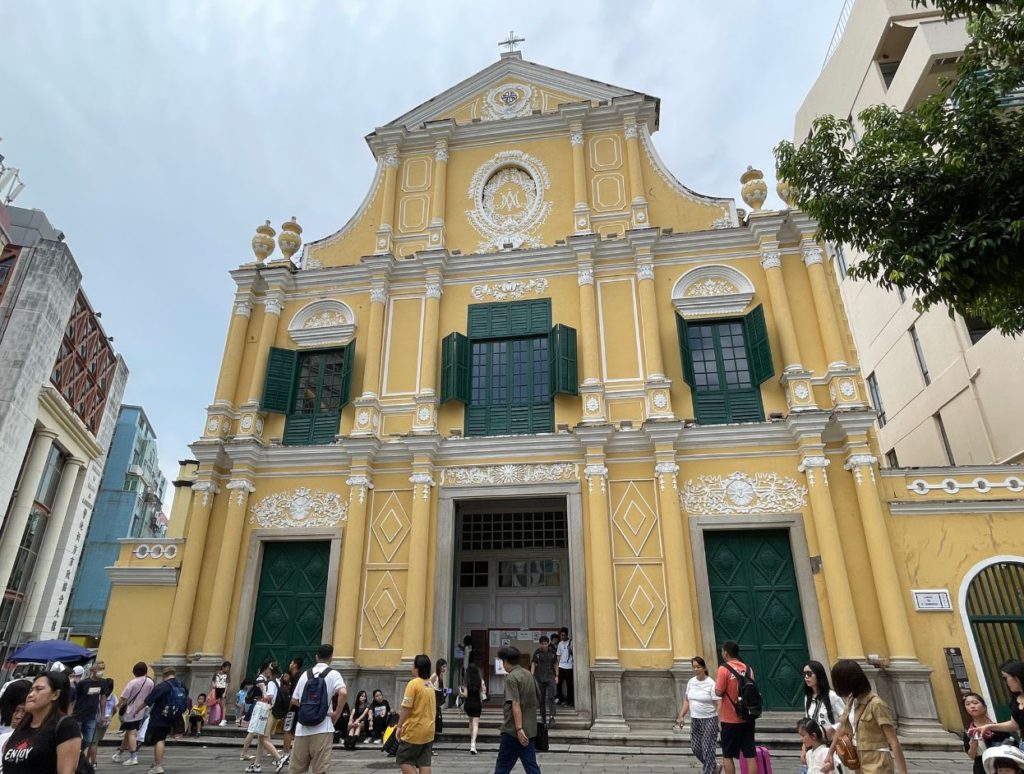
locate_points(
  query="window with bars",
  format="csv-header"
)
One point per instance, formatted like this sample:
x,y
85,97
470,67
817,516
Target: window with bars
x,y
508,531
919,354
725,361
876,398
311,389
474,574
84,362
509,367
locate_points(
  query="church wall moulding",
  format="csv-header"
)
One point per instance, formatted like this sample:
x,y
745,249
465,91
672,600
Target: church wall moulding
x,y
302,507
742,494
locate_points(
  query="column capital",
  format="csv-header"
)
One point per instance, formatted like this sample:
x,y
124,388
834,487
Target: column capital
x,y
441,150
379,293
814,462
585,275
273,303
645,268
242,487
422,479
358,486
771,259
598,471
433,290
576,134
45,432
812,255
74,461
629,128
391,157
243,308
856,464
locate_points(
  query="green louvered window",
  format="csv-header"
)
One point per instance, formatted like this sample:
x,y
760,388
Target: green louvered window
x,y
311,388
724,362
509,368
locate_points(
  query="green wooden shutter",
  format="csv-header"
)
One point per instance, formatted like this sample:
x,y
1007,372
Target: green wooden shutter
x,y
325,428
455,368
756,334
347,361
480,321
562,354
279,381
297,429
711,408
684,350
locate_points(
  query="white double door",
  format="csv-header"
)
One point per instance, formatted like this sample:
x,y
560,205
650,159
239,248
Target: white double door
x,y
501,592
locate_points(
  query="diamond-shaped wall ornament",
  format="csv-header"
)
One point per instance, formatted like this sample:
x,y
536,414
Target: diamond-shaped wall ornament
x,y
391,525
732,617
384,608
777,617
641,606
634,519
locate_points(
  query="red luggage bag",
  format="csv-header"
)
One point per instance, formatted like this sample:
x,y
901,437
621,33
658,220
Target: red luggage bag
x,y
764,761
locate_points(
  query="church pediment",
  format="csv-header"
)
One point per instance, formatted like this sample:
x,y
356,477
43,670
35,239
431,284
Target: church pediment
x,y
510,88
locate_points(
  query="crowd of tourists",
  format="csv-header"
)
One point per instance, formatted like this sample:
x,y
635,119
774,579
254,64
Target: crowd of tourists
x,y
846,725
54,723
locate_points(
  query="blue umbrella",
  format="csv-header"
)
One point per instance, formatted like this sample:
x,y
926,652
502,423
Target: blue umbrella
x,y
51,650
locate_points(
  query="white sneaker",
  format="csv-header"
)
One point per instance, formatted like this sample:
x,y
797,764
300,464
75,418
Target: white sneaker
x,y
132,761
154,769
116,757
222,723
472,750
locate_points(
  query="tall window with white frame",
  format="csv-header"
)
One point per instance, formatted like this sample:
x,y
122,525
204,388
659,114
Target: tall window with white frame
x,y
876,398
919,354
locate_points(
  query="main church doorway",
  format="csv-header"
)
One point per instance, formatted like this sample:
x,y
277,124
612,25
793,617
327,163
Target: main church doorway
x,y
511,578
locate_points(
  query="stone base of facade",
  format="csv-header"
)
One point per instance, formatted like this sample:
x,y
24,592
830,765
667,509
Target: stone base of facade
x,y
606,679
199,674
909,688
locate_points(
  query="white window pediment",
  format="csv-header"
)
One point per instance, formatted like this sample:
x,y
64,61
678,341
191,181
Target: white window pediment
x,y
712,291
323,323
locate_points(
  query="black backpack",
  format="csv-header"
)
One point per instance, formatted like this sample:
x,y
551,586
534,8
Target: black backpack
x,y
254,695
282,702
749,704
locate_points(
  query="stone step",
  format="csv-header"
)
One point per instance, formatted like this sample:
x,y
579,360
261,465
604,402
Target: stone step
x,y
776,731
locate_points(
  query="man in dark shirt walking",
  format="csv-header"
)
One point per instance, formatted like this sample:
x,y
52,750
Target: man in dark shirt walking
x,y
544,667
519,729
88,694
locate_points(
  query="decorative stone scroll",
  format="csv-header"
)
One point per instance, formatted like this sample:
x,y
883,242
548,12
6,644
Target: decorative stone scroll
x,y
505,475
741,493
300,507
712,291
509,290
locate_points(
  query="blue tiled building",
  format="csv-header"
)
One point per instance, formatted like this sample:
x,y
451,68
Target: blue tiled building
x,y
129,504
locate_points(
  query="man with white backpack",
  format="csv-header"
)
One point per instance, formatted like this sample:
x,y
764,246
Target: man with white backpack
x,y
319,697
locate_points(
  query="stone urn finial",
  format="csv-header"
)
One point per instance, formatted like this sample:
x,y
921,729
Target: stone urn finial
x,y
754,190
263,242
290,239
787,193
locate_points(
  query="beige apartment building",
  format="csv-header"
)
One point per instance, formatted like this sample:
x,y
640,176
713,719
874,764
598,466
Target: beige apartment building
x,y
946,388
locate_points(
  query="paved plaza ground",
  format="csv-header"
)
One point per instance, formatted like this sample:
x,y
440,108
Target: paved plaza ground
x,y
195,758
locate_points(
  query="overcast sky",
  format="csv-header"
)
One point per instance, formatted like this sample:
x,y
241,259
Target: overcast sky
x,y
158,134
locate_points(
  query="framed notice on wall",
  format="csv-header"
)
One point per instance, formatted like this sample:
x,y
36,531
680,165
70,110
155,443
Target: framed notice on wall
x,y
932,600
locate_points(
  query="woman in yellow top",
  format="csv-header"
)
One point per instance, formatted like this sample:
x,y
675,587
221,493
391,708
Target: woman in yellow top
x,y
868,719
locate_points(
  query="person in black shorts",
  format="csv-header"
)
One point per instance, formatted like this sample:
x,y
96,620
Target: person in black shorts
x,y
737,733
471,692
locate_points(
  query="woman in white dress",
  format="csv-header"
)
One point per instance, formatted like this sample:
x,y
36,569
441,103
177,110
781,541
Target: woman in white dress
x,y
702,705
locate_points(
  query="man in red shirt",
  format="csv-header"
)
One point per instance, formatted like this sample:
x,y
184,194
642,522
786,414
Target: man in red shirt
x,y
737,733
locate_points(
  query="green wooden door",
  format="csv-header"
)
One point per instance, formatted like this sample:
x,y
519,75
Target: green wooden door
x,y
995,610
755,602
289,617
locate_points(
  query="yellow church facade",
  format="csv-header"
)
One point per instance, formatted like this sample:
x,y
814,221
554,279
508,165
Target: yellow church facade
x,y
537,382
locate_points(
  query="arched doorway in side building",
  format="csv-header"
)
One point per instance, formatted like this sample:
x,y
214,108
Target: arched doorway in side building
x,y
992,607
509,570
759,593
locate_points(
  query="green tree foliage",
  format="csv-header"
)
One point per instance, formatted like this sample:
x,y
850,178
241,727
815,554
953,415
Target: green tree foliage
x,y
933,197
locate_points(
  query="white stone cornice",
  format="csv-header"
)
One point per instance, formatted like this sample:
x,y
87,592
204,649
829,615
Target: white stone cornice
x,y
812,255
771,260
143,576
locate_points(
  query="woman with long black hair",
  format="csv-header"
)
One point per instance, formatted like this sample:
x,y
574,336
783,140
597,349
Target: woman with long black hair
x,y
821,703
46,741
1013,675
471,691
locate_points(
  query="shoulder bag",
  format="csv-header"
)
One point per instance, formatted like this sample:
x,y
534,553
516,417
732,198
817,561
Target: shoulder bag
x,y
845,747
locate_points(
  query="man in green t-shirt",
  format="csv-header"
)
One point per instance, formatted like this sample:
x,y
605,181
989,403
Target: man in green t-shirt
x,y
519,728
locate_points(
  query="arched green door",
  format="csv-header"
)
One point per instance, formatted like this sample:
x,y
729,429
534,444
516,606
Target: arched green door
x,y
289,617
995,610
755,601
